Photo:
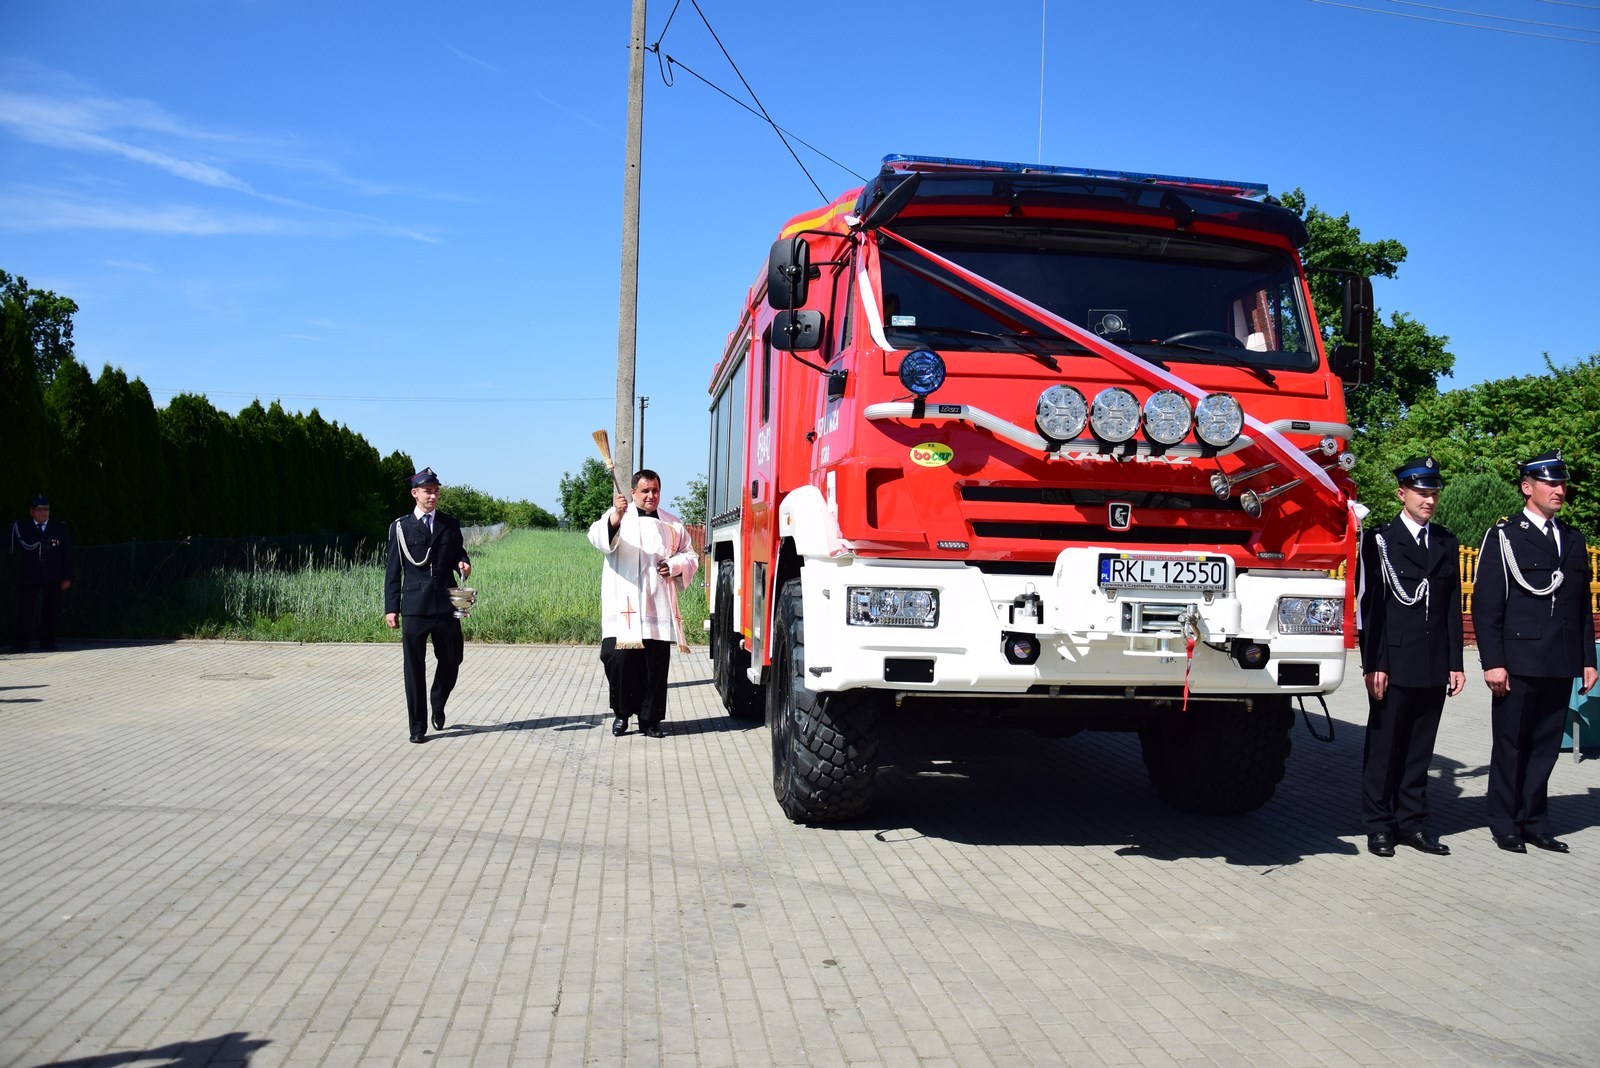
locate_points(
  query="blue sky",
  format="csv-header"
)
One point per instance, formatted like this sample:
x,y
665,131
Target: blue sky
x,y
407,216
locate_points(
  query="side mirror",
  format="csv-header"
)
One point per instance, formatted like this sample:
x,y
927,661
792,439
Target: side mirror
x,y
1352,361
797,331
788,273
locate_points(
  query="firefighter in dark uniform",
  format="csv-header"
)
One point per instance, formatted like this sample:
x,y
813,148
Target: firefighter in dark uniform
x,y
42,549
1530,607
1409,615
425,552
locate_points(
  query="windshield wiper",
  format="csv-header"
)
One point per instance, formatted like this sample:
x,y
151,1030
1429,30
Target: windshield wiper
x,y
1039,346
1224,355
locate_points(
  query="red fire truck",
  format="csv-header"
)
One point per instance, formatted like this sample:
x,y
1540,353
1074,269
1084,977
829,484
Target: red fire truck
x,y
1056,447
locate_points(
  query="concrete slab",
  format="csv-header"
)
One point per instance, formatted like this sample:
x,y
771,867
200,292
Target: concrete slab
x,y
228,853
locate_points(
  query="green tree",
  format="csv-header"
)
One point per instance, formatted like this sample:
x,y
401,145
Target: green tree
x,y
586,495
1492,426
472,507
47,319
1407,360
1469,505
127,472
22,410
79,482
528,514
691,506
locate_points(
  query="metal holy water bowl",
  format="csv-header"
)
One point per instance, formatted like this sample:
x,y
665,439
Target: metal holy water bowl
x,y
463,597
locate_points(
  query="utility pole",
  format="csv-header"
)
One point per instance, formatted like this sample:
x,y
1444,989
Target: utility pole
x,y
644,402
628,295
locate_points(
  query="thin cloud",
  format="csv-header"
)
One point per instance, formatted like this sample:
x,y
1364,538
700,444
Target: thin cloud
x,y
473,60
28,211
59,111
577,115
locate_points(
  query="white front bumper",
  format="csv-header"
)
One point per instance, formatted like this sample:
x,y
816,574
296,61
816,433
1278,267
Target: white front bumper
x,y
1084,635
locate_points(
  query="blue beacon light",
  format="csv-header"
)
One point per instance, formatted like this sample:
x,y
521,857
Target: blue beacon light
x,y
922,371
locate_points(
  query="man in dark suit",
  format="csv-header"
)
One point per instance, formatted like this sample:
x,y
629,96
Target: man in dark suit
x,y
1530,607
42,548
425,552
1409,615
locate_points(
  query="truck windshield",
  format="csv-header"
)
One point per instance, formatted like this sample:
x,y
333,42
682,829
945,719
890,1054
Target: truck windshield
x,y
1169,296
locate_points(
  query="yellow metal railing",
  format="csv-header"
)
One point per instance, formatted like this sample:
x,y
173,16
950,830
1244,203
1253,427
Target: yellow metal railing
x,y
1469,572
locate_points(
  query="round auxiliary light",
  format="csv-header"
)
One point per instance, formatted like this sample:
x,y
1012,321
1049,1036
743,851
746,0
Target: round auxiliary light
x,y
922,371
1115,415
1061,413
1218,418
1166,417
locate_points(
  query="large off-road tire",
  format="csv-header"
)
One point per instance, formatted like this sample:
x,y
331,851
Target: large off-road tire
x,y
729,658
1219,759
824,745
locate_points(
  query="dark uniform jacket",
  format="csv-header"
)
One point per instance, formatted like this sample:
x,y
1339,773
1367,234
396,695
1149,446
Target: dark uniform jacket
x,y
49,561
1420,645
422,589
1551,636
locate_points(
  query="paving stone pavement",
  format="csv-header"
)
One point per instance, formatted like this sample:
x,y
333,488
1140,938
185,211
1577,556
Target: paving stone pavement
x,y
228,853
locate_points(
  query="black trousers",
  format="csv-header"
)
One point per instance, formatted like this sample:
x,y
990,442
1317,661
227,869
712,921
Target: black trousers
x,y
36,599
1527,726
637,679
1401,730
448,648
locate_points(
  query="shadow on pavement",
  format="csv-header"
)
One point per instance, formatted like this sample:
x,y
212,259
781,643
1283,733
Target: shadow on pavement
x,y
231,1048
1012,787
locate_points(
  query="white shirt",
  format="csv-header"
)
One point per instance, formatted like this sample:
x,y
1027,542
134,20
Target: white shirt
x,y
1538,522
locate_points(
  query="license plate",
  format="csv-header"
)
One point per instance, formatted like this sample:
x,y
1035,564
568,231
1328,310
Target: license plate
x,y
1206,573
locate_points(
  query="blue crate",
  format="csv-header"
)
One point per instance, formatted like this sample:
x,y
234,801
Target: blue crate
x,y
1586,717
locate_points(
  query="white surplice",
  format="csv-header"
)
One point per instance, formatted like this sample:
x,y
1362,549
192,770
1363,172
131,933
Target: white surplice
x,y
635,602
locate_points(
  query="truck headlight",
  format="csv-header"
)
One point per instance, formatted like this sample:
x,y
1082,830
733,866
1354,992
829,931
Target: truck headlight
x,y
1166,417
1061,413
1310,615
1218,420
1115,415
887,606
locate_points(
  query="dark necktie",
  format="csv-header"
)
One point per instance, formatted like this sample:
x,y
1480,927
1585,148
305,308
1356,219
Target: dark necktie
x,y
1550,536
427,521
1422,537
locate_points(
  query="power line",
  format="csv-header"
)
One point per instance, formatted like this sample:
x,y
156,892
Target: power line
x,y
673,61
1452,22
257,395
766,116
759,104
1497,18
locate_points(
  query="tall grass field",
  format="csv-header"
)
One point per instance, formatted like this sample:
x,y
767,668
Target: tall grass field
x,y
533,586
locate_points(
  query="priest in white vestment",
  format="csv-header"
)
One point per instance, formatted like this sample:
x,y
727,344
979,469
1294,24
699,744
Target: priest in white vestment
x,y
649,560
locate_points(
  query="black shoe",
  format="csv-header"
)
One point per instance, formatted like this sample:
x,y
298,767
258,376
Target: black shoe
x,y
419,738
1380,845
1510,842
1425,842
438,721
619,726
653,731
1545,841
